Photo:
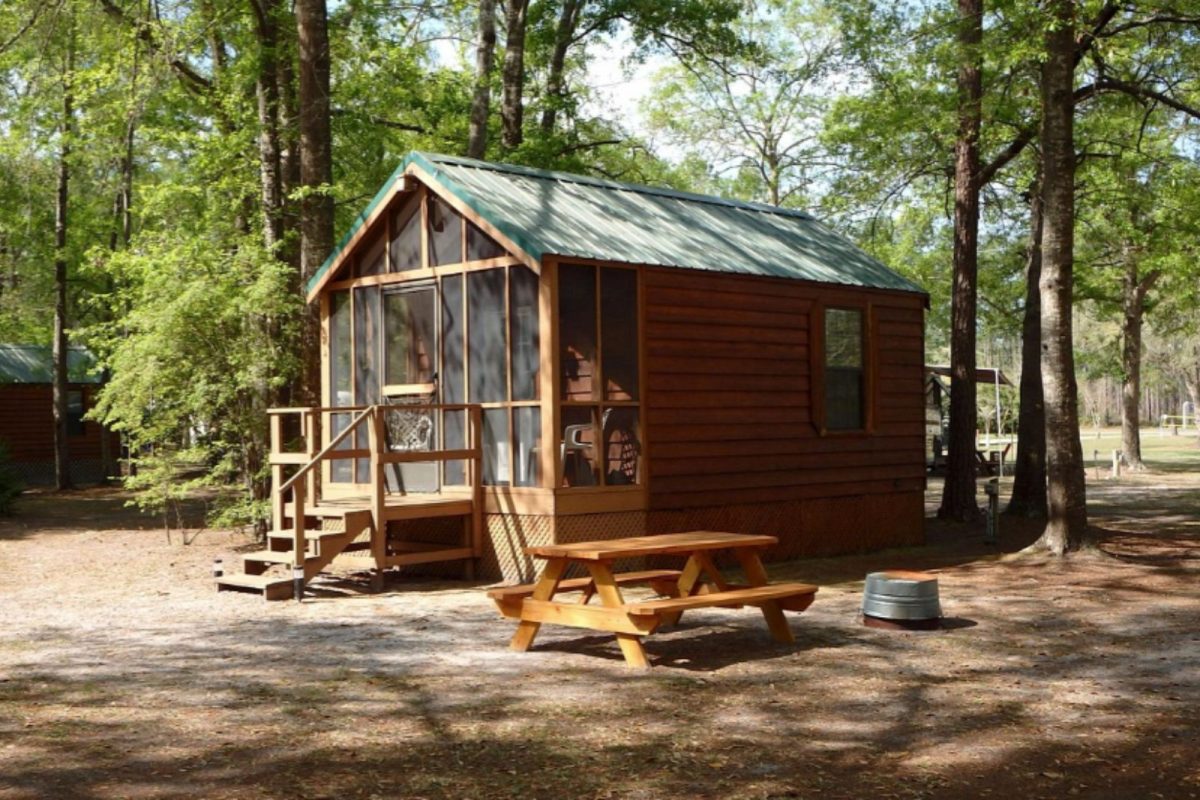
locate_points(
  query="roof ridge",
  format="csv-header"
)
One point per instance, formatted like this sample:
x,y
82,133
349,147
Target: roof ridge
x,y
587,180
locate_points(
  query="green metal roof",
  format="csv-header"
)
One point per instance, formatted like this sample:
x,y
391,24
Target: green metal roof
x,y
31,363
557,213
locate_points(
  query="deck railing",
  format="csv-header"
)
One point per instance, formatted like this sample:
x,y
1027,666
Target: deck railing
x,y
304,487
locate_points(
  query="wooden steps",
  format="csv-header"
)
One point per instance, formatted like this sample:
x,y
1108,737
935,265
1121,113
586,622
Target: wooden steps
x,y
268,571
271,587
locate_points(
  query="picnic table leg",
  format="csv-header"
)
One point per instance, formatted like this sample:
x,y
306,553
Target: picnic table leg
x,y
684,588
610,597
546,586
756,574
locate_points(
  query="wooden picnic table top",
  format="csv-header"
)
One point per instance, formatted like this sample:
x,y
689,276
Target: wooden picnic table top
x,y
661,544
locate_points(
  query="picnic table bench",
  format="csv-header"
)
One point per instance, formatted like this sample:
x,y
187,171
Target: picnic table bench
x,y
700,584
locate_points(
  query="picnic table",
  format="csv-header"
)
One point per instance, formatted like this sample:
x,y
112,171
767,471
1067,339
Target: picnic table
x,y
700,584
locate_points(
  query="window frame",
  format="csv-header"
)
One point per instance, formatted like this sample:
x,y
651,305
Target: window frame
x,y
817,365
599,403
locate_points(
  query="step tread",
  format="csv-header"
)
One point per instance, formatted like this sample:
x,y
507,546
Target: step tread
x,y
253,581
273,556
309,535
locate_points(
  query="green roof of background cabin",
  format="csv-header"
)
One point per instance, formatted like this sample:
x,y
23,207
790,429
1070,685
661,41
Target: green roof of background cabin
x,y
33,363
558,213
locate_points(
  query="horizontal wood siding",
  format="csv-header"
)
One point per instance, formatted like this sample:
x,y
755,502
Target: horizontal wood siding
x,y
27,424
729,395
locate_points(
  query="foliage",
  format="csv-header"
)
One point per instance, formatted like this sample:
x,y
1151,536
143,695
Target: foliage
x,y
846,107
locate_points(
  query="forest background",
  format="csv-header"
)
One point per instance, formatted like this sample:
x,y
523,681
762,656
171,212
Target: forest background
x,y
175,170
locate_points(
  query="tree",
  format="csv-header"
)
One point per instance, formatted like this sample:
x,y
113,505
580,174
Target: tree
x,y
1066,522
1028,497
959,492
485,60
512,101
752,116
316,173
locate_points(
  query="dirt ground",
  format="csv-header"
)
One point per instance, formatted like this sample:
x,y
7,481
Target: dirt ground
x,y
124,674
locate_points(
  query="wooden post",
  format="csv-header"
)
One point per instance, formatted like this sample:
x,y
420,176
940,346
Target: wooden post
x,y
276,473
311,420
476,417
375,439
299,547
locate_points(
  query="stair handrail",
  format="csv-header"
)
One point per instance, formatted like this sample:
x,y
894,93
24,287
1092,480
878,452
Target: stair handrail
x,y
296,484
320,456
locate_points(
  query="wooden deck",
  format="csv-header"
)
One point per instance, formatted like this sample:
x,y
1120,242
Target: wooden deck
x,y
313,532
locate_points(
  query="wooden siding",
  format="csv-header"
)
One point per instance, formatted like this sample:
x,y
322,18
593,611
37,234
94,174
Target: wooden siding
x,y
27,424
730,404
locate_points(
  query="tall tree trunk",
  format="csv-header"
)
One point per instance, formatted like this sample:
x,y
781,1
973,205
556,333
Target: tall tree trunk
x,y
958,495
122,232
289,145
1066,524
1191,383
267,93
1029,473
512,102
316,175
564,35
1133,305
485,62
62,456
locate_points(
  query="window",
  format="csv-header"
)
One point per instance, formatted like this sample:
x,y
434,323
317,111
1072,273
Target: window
x,y
845,387
75,409
600,441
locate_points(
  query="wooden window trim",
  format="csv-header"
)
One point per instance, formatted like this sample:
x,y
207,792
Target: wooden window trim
x,y
816,339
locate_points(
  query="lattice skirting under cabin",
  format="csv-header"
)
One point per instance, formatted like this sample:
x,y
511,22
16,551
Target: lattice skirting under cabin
x,y
806,529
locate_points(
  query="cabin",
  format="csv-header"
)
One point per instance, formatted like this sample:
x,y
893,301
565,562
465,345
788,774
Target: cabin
x,y
27,415
515,357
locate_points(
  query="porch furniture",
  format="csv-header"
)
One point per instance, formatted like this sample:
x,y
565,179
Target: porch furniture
x,y
991,460
533,604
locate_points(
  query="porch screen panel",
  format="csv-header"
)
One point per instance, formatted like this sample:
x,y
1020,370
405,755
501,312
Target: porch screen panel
x,y
366,364
445,233
527,438
580,466
374,258
481,246
622,446
340,378
410,343
577,331
523,302
619,327
496,455
487,350
406,235
450,375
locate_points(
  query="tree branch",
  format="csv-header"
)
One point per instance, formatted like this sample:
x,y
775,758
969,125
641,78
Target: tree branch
x,y
375,119
579,146
1027,134
1165,18
1146,93
147,34
37,11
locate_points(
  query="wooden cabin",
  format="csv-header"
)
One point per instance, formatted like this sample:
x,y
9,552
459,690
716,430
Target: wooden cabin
x,y
516,357
27,416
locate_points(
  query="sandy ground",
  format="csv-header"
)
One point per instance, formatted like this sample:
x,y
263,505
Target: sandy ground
x,y
124,674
